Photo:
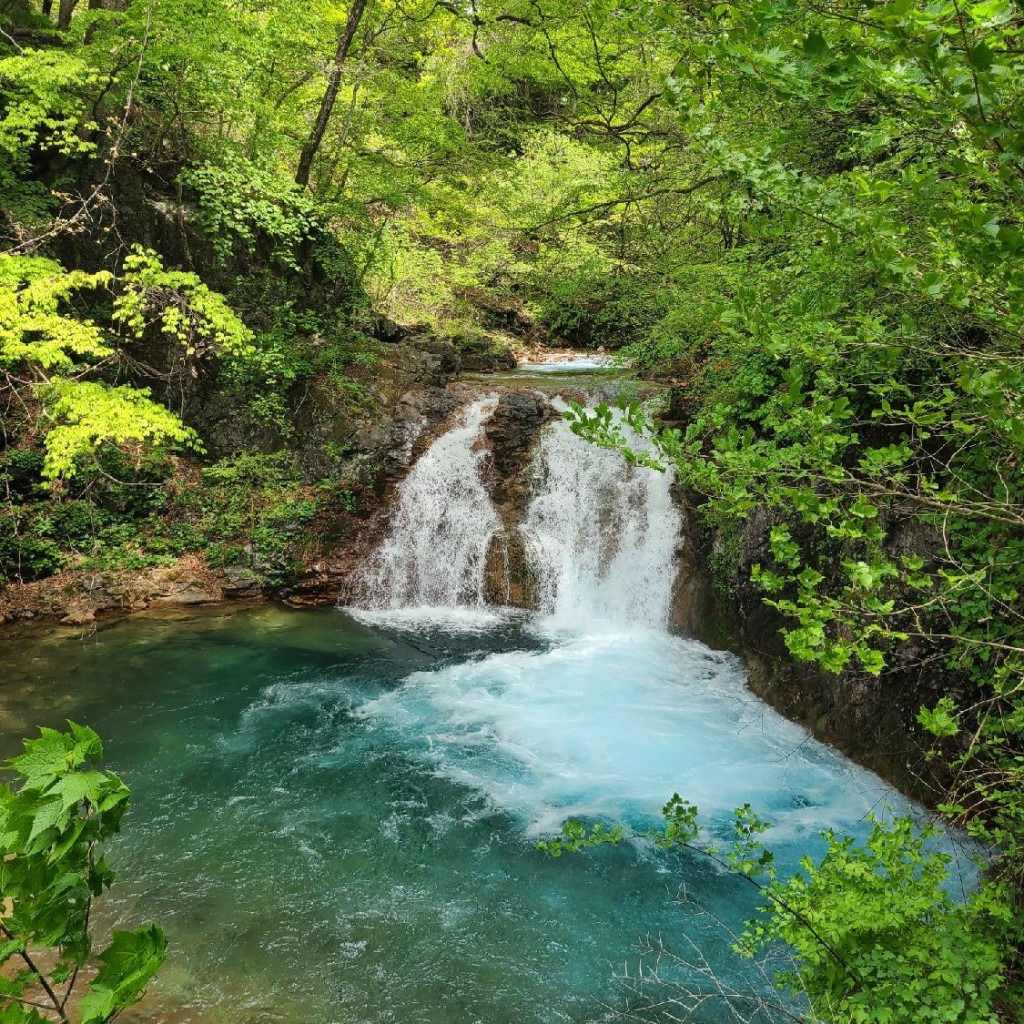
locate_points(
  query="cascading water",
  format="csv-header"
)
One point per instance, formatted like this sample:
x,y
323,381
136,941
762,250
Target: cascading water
x,y
602,712
435,551
601,535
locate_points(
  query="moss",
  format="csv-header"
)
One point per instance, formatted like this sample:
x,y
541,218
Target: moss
x,y
485,354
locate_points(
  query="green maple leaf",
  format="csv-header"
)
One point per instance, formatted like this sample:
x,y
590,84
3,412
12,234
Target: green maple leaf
x,y
128,963
48,815
77,786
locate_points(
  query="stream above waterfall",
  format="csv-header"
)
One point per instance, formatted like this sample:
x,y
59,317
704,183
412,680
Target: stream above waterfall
x,y
335,810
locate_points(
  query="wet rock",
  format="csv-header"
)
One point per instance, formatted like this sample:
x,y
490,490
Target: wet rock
x,y
185,591
80,597
446,355
514,429
509,579
386,330
79,613
431,403
511,435
240,581
389,445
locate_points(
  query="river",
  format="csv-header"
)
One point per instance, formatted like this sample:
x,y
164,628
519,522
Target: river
x,y
336,810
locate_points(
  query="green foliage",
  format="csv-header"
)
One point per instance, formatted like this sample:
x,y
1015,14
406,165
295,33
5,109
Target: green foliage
x,y
42,109
199,319
54,818
940,721
124,512
877,938
264,373
859,383
38,334
36,109
87,414
807,218
874,935
251,510
240,201
33,328
102,518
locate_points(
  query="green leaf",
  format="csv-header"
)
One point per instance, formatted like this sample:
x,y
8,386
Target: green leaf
x,y
982,57
98,1005
130,961
127,965
940,720
814,45
48,815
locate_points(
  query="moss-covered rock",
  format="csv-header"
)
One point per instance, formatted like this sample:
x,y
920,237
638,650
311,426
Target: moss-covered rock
x,y
485,354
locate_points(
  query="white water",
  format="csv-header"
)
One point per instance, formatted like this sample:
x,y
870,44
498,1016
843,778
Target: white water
x,y
435,552
601,536
573,364
604,714
610,726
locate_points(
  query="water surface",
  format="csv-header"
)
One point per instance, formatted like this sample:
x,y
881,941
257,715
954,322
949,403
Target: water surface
x,y
334,816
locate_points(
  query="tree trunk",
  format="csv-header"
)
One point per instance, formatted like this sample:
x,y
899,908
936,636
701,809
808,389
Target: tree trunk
x,y
316,136
64,12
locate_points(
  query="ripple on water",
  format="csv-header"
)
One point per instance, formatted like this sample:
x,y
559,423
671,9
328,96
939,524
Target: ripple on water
x,y
335,819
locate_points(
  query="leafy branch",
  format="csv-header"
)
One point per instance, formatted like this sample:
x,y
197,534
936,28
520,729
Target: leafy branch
x,y
54,819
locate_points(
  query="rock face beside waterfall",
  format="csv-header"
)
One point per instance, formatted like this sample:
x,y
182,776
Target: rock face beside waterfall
x,y
511,435
871,719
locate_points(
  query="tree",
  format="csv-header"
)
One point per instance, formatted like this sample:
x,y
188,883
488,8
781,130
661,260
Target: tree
x,y
45,350
873,934
316,135
54,817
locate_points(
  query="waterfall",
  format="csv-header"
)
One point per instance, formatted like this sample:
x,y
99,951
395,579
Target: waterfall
x,y
601,535
435,550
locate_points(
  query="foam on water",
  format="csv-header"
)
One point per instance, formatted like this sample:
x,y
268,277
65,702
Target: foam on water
x,y
576,364
604,714
417,619
611,714
609,727
334,819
